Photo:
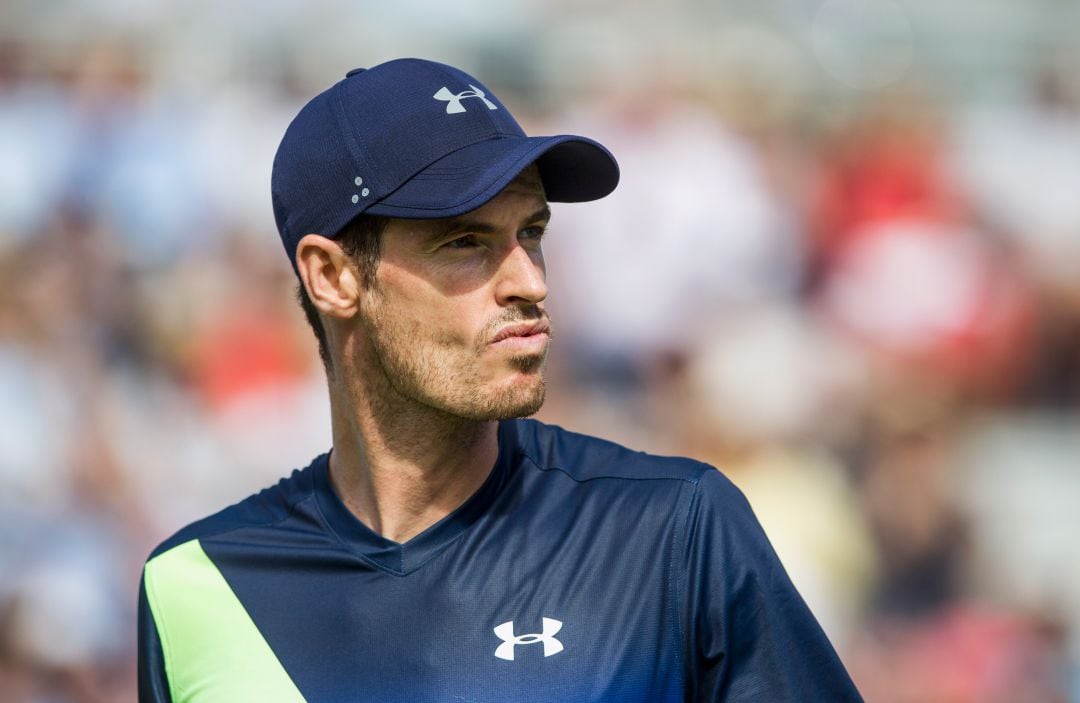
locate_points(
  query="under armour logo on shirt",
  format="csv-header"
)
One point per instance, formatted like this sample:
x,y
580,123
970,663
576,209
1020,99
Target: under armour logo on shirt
x,y
453,101
505,632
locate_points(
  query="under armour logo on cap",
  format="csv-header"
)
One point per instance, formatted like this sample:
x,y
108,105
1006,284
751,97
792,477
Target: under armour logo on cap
x,y
453,101
505,632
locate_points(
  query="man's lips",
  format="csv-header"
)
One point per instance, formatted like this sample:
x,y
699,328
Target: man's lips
x,y
524,333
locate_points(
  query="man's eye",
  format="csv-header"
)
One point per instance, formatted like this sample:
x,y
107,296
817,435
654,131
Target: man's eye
x,y
466,241
536,232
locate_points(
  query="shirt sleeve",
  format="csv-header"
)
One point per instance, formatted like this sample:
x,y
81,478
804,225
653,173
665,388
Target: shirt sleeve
x,y
153,681
750,636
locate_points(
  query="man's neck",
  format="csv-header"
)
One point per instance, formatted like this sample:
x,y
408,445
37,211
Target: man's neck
x,y
400,467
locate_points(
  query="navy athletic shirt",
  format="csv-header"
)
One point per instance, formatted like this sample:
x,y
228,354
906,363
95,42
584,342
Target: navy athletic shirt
x,y
579,571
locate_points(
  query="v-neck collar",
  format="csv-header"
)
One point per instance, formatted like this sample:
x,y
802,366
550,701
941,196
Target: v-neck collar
x,y
402,558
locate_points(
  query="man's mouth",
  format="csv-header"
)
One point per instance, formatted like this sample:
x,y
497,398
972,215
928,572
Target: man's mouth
x,y
522,329
523,337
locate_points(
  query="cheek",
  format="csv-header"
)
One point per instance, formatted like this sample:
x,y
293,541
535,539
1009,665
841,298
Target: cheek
x,y
416,316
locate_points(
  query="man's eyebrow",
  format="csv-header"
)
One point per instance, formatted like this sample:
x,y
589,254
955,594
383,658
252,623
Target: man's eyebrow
x,y
543,214
464,224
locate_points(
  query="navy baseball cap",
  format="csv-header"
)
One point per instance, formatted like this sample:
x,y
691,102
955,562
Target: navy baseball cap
x,y
419,140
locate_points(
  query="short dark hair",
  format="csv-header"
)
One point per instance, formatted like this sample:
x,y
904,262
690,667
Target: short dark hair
x,y
362,240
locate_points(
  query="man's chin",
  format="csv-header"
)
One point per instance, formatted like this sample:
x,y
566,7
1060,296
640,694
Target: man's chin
x,y
530,408
518,400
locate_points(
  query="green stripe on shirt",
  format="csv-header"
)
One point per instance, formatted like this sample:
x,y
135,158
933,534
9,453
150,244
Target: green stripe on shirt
x,y
213,651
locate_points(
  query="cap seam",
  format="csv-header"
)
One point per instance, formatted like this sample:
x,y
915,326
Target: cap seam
x,y
413,176
488,187
356,150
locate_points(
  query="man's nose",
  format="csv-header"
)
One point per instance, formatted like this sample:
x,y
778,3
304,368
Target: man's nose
x,y
522,277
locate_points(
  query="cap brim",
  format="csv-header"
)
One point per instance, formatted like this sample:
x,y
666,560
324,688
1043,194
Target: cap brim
x,y
573,169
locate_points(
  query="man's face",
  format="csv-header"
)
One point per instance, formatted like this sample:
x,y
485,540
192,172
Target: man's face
x,y
455,318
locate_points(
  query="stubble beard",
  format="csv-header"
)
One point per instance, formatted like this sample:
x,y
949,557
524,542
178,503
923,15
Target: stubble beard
x,y
448,378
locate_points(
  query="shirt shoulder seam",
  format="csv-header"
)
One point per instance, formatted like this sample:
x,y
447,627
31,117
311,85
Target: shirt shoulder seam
x,y
213,534
694,481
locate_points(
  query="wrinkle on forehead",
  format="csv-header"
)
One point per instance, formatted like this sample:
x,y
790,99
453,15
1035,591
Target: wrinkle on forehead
x,y
526,184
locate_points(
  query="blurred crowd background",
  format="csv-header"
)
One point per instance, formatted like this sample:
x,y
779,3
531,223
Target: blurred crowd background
x,y
843,265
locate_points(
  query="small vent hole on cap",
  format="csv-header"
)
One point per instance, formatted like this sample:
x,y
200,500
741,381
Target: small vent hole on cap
x,y
365,192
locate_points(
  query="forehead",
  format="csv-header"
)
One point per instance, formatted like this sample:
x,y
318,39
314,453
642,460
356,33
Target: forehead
x,y
526,190
522,198
529,181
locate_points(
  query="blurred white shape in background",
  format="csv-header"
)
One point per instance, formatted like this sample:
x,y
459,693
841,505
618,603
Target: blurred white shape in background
x,y
1021,165
1017,478
772,374
905,284
692,228
237,152
36,416
36,141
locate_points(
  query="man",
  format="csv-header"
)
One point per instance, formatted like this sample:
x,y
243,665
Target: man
x,y
444,551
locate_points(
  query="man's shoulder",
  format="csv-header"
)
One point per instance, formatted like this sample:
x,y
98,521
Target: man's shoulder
x,y
268,506
585,457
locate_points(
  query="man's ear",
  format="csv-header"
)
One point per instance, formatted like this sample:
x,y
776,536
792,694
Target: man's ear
x,y
329,275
